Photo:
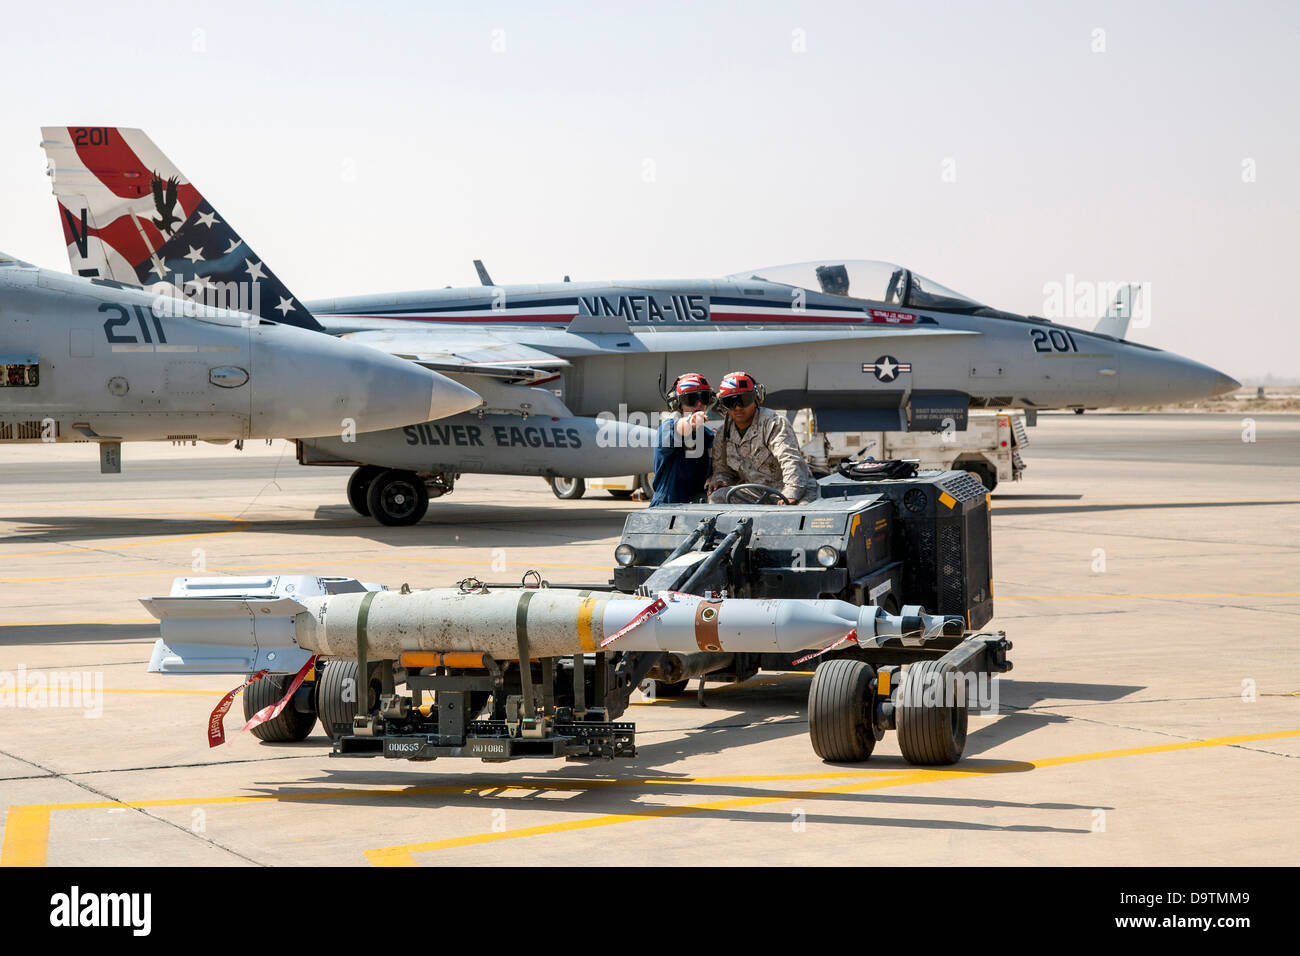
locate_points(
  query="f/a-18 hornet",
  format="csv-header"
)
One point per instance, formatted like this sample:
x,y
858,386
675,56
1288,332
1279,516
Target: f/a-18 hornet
x,y
866,345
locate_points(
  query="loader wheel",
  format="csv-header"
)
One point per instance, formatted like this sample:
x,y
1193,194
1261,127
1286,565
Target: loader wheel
x,y
987,474
568,488
397,497
336,694
929,732
840,702
358,485
289,725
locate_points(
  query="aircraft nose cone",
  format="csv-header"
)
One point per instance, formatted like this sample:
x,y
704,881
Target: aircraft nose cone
x,y
451,398
1224,384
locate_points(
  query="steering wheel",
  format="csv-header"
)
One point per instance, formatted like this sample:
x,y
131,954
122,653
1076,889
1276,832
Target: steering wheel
x,y
755,494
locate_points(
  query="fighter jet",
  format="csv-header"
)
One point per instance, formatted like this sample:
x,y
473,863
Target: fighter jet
x,y
92,360
867,345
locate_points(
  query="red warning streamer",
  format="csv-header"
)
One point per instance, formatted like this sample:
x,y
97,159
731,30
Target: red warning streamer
x,y
216,729
654,607
849,638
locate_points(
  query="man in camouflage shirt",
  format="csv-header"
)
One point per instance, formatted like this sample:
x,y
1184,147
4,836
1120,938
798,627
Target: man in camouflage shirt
x,y
757,445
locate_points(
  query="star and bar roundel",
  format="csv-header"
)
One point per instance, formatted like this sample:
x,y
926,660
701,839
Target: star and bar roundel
x,y
886,368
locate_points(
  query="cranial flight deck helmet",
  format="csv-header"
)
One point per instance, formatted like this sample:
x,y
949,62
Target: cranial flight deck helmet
x,y
738,386
689,383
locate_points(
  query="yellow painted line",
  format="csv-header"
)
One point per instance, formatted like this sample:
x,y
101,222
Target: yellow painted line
x,y
150,690
27,826
1115,597
1161,502
402,855
238,526
27,836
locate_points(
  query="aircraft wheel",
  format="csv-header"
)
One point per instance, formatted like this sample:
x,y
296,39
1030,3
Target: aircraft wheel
x,y
840,701
358,485
397,497
289,725
568,488
336,693
929,732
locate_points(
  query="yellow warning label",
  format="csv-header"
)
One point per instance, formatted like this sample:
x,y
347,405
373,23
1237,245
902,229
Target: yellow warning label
x,y
947,499
882,684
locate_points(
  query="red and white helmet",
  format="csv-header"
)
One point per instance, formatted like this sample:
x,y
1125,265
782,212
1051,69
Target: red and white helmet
x,y
738,383
686,384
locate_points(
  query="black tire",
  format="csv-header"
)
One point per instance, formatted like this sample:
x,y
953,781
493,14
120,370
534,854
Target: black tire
x,y
397,498
336,693
622,494
929,733
289,725
568,488
358,485
675,689
987,475
646,485
840,701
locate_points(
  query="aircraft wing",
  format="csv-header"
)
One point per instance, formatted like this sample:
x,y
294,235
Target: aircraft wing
x,y
478,355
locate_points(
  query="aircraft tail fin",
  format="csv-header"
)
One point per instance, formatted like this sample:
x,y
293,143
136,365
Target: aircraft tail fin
x,y
129,214
1115,322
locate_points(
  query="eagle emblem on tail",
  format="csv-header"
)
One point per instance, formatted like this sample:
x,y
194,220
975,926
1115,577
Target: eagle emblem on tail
x,y
165,203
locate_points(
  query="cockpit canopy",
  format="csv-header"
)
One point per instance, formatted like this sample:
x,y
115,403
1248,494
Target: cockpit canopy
x,y
864,279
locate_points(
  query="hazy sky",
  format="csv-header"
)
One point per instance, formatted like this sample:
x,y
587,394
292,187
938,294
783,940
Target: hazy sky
x,y
991,147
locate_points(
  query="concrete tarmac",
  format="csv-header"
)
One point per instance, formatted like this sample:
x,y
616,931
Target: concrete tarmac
x,y
1147,571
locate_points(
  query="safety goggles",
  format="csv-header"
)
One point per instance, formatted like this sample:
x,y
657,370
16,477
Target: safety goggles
x,y
692,399
743,400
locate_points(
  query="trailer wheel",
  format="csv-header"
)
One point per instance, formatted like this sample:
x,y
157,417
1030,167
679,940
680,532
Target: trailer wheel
x,y
568,488
336,693
929,731
839,710
397,497
289,725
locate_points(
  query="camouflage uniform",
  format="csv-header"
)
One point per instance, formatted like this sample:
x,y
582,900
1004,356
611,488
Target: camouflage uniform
x,y
766,454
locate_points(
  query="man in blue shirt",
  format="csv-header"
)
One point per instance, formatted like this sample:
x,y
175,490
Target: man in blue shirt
x,y
684,453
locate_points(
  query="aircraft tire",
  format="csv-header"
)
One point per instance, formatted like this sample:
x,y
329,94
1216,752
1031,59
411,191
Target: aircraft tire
x,y
568,488
358,484
397,498
840,700
289,725
929,733
336,693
